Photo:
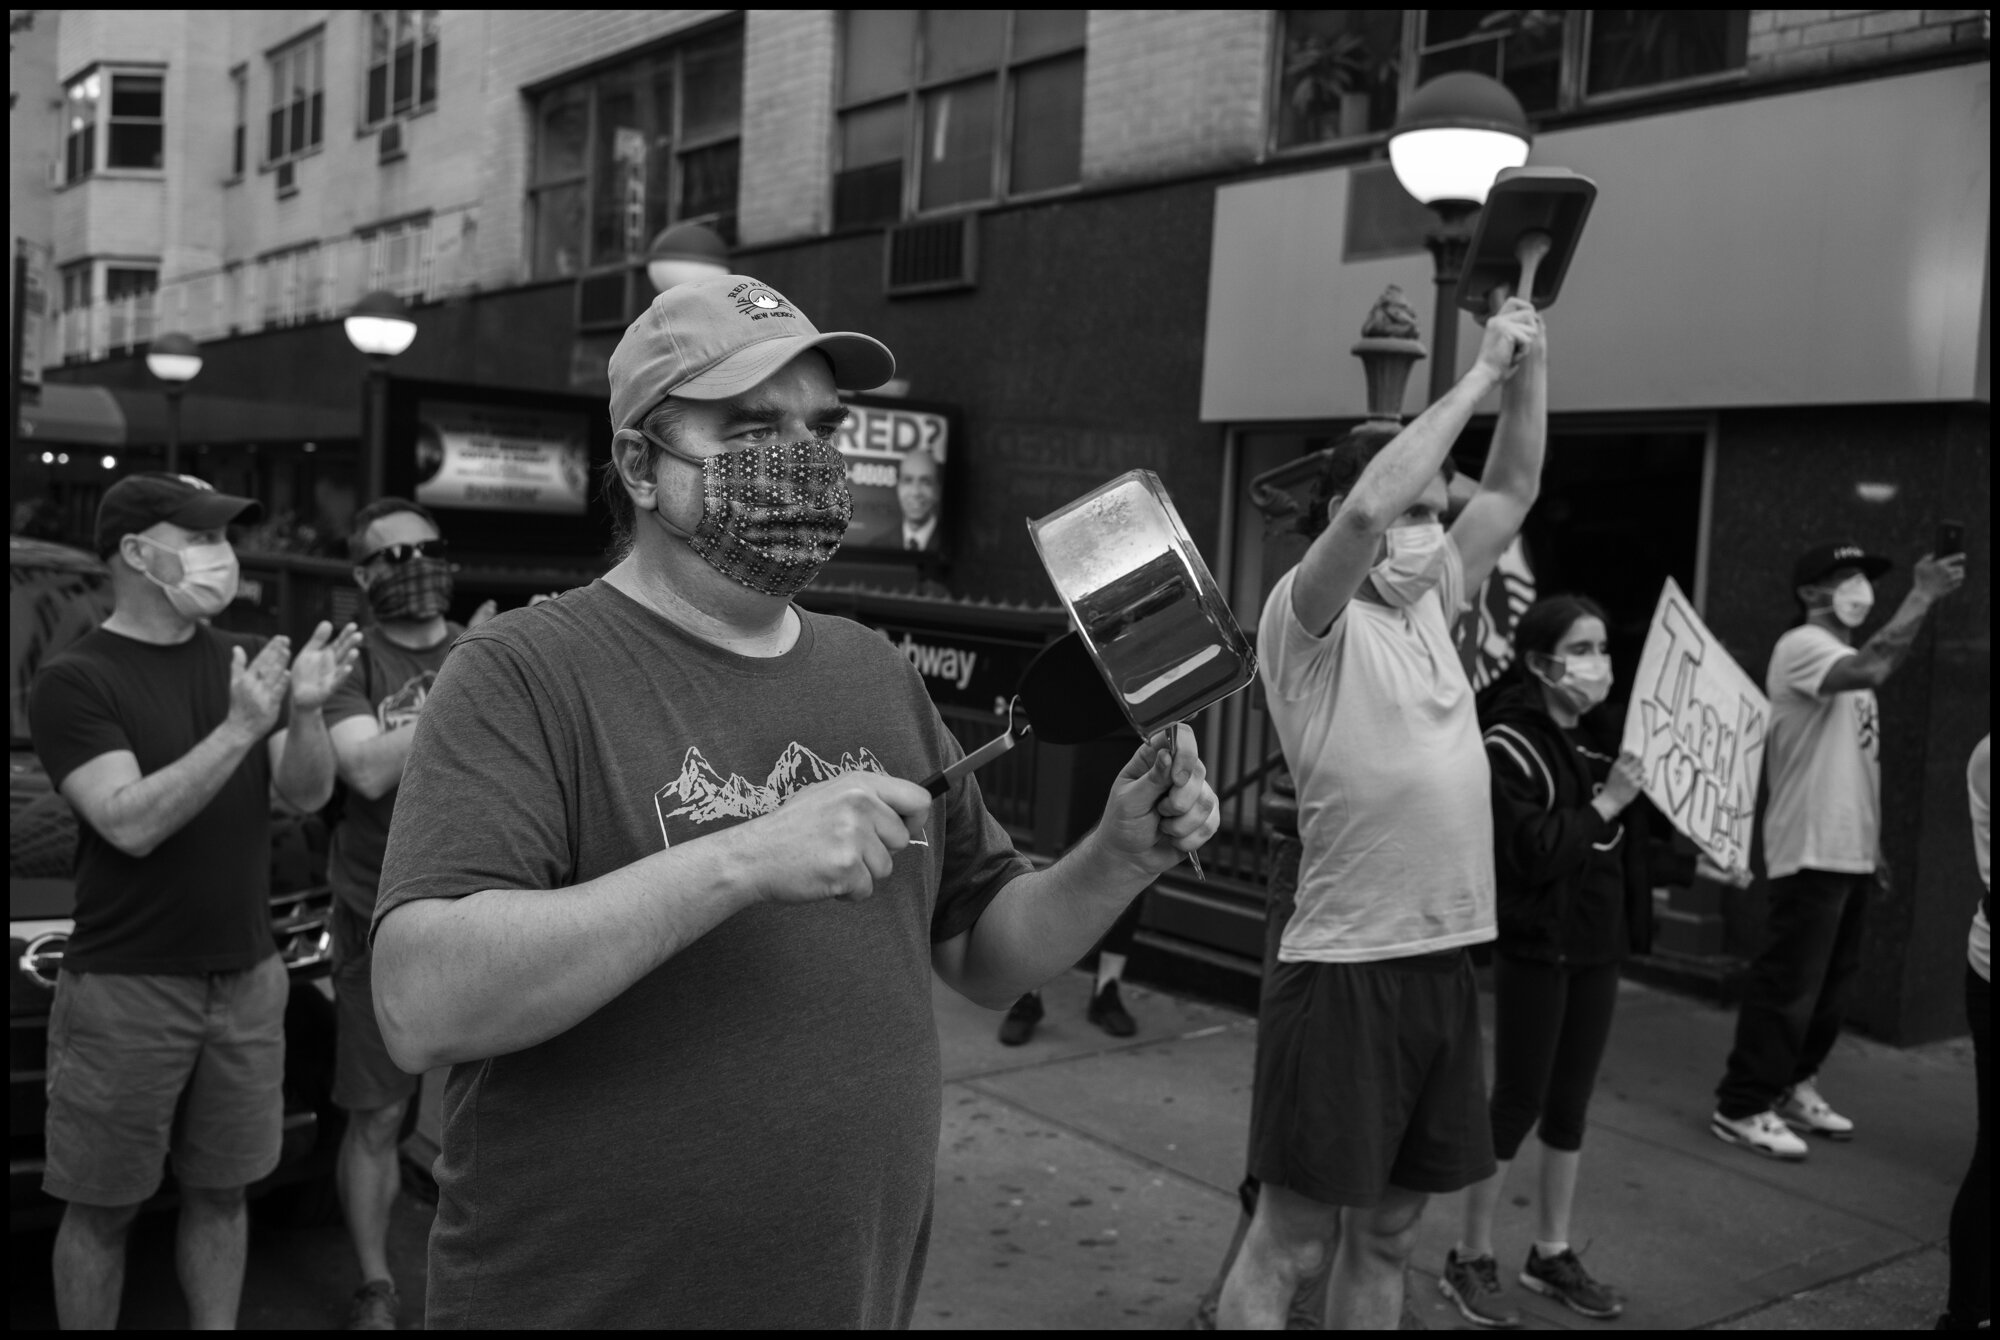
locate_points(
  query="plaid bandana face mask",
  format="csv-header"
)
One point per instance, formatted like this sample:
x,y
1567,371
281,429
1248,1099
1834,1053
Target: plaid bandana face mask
x,y
771,516
417,589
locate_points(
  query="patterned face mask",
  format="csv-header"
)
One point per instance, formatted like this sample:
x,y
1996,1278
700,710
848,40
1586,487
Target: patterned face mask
x,y
419,588
771,516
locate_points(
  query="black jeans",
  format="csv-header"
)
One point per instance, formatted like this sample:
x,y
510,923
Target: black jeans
x,y
1550,1024
1797,992
1972,1213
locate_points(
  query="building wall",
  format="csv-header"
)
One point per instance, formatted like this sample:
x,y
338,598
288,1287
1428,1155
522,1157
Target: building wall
x,y
1174,90
32,125
1802,41
788,59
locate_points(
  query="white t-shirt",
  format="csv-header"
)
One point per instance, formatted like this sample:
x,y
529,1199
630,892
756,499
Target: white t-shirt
x,y
1823,761
1979,947
1395,810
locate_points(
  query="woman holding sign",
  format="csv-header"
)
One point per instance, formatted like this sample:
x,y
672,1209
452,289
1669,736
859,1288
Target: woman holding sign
x,y
1573,898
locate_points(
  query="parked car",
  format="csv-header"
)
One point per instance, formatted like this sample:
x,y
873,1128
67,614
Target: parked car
x,y
56,595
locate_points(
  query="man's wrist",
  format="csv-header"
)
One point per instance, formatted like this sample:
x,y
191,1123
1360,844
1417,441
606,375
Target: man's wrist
x,y
1104,867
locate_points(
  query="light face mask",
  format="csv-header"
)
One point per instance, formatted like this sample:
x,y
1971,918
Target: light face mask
x,y
1852,600
1583,681
771,516
1416,553
207,581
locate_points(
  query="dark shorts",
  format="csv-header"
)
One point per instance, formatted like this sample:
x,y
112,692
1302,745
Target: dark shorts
x,y
364,1078
144,1065
1370,1076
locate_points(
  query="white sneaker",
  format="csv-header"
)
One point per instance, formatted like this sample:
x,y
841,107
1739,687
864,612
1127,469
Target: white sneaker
x,y
1803,1109
1763,1132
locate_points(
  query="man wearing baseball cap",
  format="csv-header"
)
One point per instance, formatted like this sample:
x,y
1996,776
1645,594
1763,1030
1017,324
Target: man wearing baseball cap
x,y
1822,842
662,890
167,1031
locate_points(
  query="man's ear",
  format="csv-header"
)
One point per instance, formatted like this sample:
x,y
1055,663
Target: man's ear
x,y
637,461
132,553
360,576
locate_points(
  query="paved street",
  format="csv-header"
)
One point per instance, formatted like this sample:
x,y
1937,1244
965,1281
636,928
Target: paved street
x,y
1084,1182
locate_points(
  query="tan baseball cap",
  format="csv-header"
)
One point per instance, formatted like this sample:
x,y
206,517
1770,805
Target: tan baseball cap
x,y
714,338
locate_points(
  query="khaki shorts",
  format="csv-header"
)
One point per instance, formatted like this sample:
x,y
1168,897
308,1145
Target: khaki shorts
x,y
364,1078
144,1065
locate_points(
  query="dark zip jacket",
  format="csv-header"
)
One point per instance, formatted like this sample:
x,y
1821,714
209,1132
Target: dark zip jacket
x,y
1571,888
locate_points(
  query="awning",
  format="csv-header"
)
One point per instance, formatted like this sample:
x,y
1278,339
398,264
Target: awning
x,y
86,416
101,416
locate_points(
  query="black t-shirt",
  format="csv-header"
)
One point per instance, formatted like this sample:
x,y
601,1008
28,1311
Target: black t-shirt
x,y
747,1136
200,901
390,683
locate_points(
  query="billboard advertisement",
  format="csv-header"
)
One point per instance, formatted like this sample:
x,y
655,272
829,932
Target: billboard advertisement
x,y
899,461
492,458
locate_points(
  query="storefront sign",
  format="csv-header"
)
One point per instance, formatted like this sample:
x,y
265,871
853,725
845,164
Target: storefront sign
x,y
896,462
1698,725
502,460
961,669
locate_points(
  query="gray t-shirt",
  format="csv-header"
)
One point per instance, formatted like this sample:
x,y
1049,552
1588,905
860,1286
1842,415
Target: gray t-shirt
x,y
747,1136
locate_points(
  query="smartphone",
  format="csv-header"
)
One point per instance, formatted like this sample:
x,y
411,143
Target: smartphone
x,y
1950,539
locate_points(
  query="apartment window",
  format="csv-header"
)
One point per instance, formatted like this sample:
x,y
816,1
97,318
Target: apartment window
x,y
291,286
1339,71
985,103
1645,48
75,285
298,101
398,257
402,62
128,298
630,150
80,101
1557,59
130,106
239,139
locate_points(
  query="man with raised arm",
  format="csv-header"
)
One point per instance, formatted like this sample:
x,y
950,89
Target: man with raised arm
x,y
1822,842
1370,1092
653,886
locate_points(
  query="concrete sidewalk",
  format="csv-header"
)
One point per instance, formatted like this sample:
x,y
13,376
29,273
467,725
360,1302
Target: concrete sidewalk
x,y
1085,1182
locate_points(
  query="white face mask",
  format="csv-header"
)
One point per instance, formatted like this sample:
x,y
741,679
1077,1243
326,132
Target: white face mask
x,y
1416,555
1583,681
1852,600
207,581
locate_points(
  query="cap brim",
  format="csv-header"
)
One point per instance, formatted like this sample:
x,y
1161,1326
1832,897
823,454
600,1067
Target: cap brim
x,y
206,511
860,362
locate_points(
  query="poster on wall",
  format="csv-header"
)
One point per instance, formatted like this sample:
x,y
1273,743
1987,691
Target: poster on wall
x,y
1698,725
897,457
500,459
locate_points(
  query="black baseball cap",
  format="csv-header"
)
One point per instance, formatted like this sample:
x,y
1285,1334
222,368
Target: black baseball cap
x,y
1822,559
139,501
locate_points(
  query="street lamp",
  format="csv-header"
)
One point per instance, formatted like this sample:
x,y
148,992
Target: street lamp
x,y
380,327
685,252
175,359
1450,141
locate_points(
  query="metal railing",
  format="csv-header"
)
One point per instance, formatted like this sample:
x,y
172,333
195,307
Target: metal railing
x,y
423,260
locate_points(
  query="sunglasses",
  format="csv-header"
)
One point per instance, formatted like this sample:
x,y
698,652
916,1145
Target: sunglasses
x,y
399,554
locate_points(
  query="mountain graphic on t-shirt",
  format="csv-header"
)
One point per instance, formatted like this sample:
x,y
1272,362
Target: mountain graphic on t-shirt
x,y
705,795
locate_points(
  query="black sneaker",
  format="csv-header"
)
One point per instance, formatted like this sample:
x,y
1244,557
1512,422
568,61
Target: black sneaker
x,y
1563,1278
1020,1023
1108,1013
374,1307
1473,1284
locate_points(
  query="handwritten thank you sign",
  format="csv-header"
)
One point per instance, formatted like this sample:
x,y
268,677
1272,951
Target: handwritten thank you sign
x,y
1698,725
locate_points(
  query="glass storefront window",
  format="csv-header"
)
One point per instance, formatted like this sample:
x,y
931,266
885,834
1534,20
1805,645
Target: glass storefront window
x,y
1638,48
1338,74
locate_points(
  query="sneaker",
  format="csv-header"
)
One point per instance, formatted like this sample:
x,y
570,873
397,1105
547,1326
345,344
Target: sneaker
x,y
1763,1132
1804,1110
1563,1278
374,1307
1472,1283
1021,1020
1108,1013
